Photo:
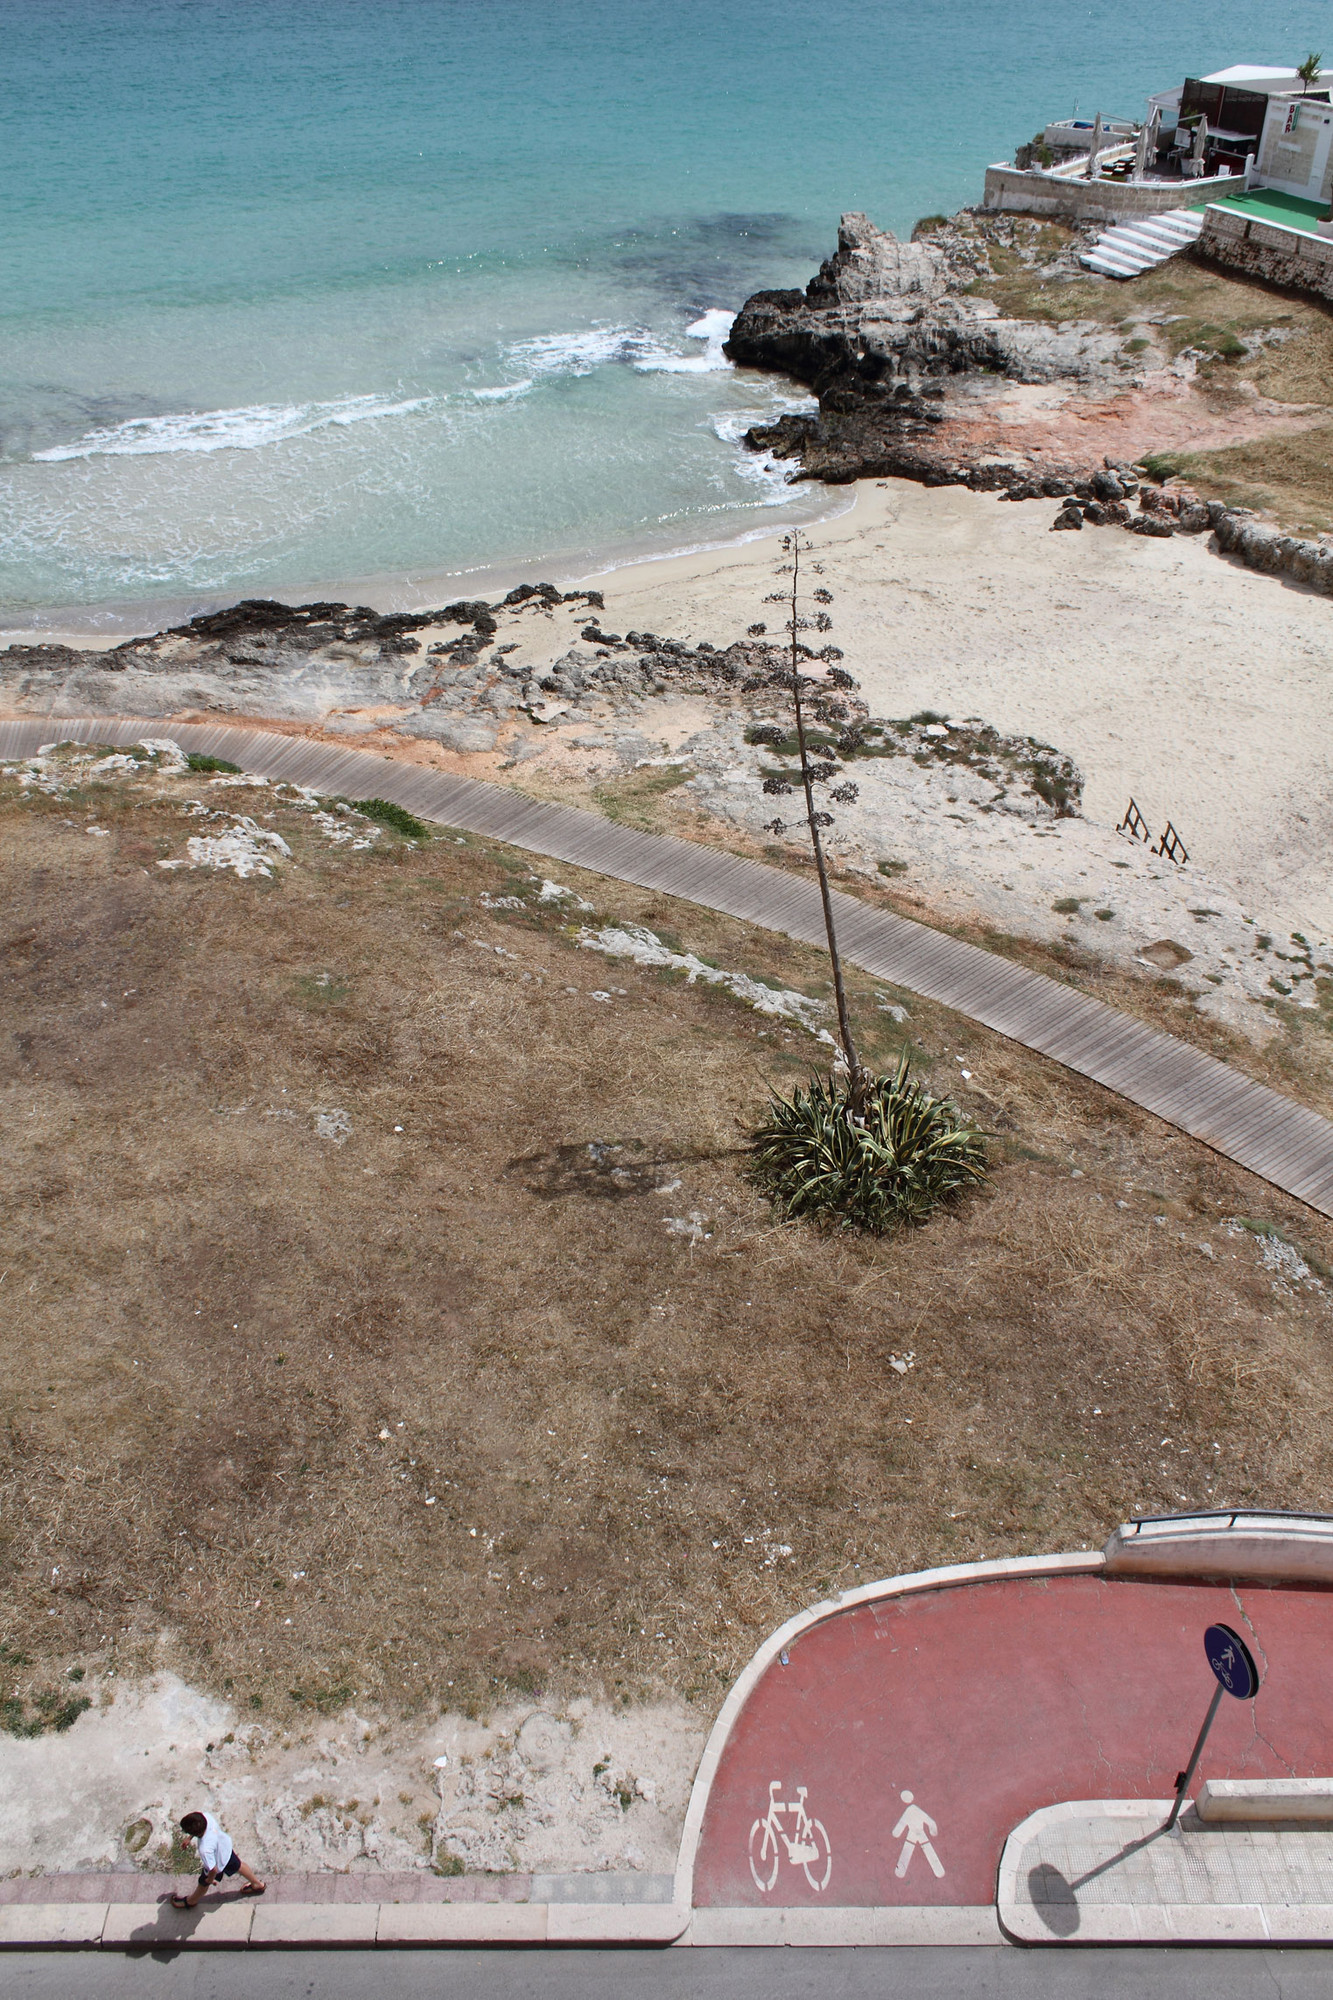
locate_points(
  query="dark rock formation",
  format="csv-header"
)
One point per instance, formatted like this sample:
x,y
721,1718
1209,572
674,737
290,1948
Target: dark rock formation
x,y
880,335
264,657
844,446
887,331
881,314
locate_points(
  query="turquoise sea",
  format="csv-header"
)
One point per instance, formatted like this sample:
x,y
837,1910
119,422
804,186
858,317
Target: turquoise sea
x,y
384,292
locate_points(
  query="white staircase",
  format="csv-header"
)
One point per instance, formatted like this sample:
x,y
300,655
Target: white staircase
x,y
1133,247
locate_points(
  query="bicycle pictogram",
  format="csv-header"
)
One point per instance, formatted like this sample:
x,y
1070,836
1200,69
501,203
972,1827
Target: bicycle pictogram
x,y
807,1844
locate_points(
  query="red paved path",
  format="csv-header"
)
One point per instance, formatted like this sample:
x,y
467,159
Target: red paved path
x,y
987,1700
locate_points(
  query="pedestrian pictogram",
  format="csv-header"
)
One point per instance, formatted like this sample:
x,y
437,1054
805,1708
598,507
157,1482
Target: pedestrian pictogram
x,y
920,1830
804,1839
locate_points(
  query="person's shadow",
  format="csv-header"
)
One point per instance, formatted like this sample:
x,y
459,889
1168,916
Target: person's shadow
x,y
168,1930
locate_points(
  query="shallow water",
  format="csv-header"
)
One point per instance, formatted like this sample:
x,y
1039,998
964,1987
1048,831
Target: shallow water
x,y
397,289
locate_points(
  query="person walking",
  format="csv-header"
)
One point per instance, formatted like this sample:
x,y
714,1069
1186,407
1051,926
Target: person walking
x,y
217,1857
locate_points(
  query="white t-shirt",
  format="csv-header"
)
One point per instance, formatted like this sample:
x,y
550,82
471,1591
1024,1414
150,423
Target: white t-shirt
x,y
214,1846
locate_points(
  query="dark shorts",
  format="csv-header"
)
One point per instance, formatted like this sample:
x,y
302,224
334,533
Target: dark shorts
x,y
228,1868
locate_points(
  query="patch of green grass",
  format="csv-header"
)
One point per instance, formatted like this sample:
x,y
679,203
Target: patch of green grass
x,y
1222,342
1067,906
52,1711
893,868
328,1700
322,989
397,817
196,760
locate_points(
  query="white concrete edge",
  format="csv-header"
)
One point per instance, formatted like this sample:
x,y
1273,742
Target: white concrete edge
x,y
945,1578
849,1925
406,1926
1162,1923
125,1926
1006,1892
1188,1924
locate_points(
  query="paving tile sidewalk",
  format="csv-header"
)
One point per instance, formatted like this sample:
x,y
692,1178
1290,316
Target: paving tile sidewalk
x,y
1103,1871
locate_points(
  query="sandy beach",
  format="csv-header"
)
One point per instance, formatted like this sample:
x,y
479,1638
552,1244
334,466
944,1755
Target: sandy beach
x,y
1168,672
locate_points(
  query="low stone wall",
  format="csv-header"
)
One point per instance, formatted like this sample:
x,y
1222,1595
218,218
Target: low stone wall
x,y
1270,550
1267,250
1237,533
1028,191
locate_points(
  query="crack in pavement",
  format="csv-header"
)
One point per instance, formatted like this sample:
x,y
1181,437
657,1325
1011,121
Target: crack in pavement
x,y
1248,1622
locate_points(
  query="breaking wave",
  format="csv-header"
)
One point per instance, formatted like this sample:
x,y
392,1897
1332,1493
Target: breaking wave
x,y
772,476
712,330
245,429
555,354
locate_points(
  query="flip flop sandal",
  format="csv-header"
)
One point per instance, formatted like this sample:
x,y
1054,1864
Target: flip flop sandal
x,y
180,1903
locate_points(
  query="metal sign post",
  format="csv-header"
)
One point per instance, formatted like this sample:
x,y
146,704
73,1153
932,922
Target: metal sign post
x,y
1233,1664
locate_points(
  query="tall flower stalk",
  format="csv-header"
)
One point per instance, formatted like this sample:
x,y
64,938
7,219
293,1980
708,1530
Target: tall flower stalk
x,y
878,1151
806,690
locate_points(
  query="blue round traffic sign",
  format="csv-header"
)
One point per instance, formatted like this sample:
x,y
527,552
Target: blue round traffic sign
x,y
1232,1661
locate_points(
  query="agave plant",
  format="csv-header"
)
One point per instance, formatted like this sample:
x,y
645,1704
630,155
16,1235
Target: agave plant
x,y
894,1161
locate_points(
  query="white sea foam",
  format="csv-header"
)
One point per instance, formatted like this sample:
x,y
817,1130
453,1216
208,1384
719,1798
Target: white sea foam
x,y
631,346
504,394
712,329
228,430
578,353
759,468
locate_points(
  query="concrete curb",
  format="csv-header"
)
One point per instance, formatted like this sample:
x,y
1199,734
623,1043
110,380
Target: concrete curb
x,y
332,1926
1025,1921
893,1924
318,1926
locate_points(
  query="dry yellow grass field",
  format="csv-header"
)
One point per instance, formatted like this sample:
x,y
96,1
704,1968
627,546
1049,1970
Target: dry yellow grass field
x,y
533,1391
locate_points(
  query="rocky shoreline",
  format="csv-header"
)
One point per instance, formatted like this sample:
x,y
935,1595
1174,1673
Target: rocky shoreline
x,y
964,819
900,352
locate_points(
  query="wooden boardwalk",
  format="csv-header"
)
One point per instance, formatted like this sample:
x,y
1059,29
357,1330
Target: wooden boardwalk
x,y
1259,1129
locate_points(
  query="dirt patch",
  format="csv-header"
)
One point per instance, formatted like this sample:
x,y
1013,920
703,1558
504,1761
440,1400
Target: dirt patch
x,y
1289,478
584,1786
1233,380
332,1375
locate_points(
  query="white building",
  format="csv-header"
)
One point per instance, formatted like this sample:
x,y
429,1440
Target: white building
x,y
1296,147
1238,109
